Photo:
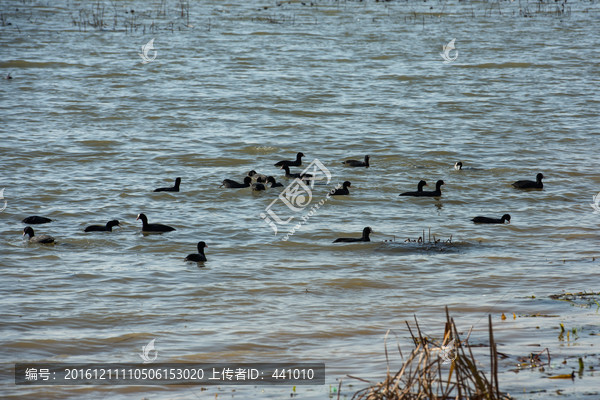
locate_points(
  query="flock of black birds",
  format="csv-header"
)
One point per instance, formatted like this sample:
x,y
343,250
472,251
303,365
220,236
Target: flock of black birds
x,y
258,182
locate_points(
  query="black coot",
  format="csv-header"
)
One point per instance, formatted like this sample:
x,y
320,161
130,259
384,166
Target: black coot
x,y
288,174
101,228
146,227
42,239
487,220
343,191
434,193
296,163
170,189
460,167
199,257
257,187
228,183
356,163
365,237
419,191
271,180
36,220
257,177
530,184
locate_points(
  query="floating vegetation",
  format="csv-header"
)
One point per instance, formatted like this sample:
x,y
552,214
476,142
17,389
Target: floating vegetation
x,y
571,296
170,15
539,315
572,334
424,242
563,376
116,16
581,299
503,317
534,360
421,239
424,376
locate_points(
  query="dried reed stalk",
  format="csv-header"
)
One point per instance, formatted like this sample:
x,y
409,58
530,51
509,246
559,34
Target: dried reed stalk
x,y
422,376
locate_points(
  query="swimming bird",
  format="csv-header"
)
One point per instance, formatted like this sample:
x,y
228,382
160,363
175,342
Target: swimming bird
x,y
146,227
175,188
459,167
419,191
307,178
486,220
356,163
525,184
42,239
296,163
199,257
271,180
288,174
343,191
257,187
228,183
36,220
257,177
434,193
365,237
100,228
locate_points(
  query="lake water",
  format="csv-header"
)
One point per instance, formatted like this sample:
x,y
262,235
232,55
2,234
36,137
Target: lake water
x,y
88,131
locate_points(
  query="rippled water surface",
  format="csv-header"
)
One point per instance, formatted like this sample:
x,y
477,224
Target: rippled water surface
x,y
88,131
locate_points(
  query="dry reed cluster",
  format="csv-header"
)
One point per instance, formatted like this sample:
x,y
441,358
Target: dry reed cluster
x,y
423,374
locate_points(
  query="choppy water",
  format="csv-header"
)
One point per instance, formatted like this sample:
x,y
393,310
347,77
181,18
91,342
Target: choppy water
x,y
88,131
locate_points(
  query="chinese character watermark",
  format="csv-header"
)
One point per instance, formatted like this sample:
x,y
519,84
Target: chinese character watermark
x,y
296,197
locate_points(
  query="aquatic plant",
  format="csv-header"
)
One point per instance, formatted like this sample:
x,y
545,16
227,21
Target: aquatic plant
x,y
580,299
423,375
421,239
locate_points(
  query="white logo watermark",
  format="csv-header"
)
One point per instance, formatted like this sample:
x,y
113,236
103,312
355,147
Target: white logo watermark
x,y
446,52
146,352
296,197
145,49
448,353
2,198
595,205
